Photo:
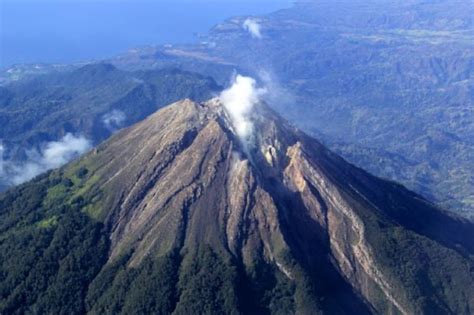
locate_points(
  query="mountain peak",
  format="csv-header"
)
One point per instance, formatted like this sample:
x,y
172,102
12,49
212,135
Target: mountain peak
x,y
184,178
237,219
269,131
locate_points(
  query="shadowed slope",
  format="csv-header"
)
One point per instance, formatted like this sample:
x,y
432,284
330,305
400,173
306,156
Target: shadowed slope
x,y
200,222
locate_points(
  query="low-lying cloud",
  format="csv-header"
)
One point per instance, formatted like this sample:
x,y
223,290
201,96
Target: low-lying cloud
x,y
253,27
53,155
58,153
238,100
114,119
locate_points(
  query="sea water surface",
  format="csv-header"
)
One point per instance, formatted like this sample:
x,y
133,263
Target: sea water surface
x,y
61,31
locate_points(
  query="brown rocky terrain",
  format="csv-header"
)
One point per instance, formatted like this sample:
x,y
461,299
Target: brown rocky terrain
x,y
274,223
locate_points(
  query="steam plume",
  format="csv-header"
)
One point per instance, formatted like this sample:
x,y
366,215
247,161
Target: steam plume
x,y
253,27
238,100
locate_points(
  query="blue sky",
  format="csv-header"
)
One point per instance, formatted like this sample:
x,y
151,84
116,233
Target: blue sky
x,y
73,30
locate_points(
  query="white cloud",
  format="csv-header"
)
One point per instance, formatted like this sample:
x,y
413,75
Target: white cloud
x,y
58,153
253,27
53,155
238,100
23,173
114,119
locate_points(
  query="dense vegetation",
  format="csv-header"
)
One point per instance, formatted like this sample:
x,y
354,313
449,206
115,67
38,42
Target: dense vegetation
x,y
53,260
53,256
421,250
49,250
147,289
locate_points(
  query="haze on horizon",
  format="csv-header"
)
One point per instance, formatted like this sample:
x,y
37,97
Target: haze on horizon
x,y
62,31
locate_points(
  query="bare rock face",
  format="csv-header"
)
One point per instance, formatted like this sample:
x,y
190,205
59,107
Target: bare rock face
x,y
182,179
343,240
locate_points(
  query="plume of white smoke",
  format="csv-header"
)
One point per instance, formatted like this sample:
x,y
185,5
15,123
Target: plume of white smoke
x,y
238,100
53,155
114,119
253,27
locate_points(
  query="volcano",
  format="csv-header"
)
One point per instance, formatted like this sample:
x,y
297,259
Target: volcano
x,y
178,214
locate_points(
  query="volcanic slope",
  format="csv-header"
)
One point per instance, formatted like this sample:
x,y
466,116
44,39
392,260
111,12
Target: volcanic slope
x,y
177,214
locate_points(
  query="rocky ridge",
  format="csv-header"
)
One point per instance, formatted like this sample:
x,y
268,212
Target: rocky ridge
x,y
272,223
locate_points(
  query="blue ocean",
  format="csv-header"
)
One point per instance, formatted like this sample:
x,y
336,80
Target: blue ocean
x,y
61,31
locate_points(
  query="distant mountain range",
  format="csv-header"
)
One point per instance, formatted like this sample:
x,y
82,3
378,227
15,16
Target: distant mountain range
x,y
182,214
